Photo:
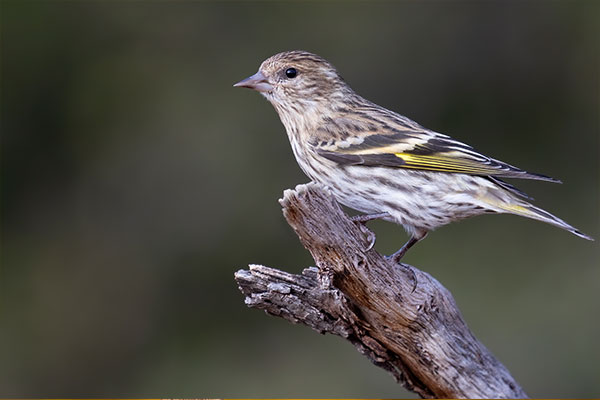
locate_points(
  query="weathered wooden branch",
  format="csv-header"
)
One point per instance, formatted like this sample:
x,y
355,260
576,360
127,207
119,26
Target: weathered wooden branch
x,y
401,318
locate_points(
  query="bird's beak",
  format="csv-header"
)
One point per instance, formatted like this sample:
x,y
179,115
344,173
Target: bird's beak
x,y
257,82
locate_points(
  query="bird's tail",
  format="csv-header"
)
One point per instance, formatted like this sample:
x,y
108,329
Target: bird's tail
x,y
530,211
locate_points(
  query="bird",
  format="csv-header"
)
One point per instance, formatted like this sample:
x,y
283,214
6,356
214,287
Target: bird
x,y
381,163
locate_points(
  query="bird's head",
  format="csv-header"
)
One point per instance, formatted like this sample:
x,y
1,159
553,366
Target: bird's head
x,y
297,81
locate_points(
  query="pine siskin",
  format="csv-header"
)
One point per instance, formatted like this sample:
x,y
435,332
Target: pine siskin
x,y
382,163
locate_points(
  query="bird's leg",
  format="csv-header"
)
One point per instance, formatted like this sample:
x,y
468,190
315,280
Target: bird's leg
x,y
397,256
368,217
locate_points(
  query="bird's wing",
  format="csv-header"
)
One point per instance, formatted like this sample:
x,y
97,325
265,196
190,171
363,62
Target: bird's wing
x,y
423,150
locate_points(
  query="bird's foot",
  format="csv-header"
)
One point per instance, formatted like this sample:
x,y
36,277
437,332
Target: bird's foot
x,y
364,218
395,258
371,238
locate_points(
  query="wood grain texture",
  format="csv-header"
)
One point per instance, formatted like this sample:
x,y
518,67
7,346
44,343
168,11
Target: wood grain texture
x,y
399,317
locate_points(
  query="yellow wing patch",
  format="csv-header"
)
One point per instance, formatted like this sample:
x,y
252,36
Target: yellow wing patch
x,y
443,163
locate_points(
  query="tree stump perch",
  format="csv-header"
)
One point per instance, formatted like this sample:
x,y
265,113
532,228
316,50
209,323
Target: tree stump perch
x,y
399,317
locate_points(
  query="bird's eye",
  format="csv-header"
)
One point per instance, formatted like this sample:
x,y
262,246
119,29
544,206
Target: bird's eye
x,y
291,72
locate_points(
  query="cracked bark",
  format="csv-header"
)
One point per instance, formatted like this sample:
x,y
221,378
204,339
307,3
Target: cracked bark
x,y
399,317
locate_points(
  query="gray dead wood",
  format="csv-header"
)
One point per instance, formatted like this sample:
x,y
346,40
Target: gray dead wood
x,y
399,317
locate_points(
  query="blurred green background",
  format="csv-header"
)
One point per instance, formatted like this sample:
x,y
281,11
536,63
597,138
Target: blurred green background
x,y
136,181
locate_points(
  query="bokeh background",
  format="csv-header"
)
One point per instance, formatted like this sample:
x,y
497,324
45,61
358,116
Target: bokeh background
x,y
136,181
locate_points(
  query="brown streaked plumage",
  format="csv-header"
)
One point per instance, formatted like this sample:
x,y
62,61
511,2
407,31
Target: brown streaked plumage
x,y
380,162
